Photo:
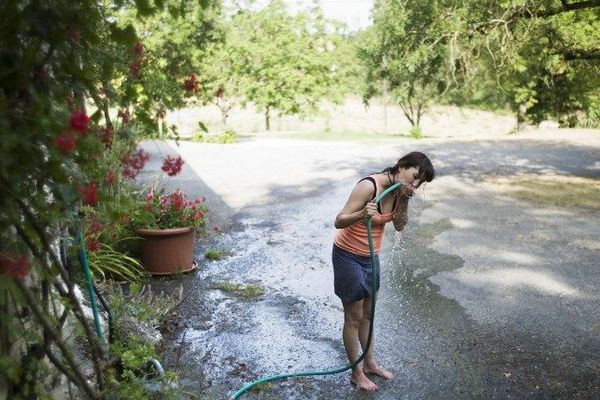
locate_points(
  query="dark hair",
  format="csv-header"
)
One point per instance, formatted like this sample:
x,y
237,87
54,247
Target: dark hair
x,y
414,159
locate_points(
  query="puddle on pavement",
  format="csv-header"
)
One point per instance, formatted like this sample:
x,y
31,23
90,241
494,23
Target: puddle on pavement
x,y
424,327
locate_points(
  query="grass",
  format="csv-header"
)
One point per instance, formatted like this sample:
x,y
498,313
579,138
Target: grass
x,y
227,137
560,191
249,291
262,386
217,254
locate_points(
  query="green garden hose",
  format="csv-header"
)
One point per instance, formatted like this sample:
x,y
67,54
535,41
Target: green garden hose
x,y
83,259
375,273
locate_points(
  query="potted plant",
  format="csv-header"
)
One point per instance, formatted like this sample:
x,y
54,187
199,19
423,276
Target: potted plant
x,y
166,223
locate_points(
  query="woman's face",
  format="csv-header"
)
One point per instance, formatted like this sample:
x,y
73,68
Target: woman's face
x,y
410,176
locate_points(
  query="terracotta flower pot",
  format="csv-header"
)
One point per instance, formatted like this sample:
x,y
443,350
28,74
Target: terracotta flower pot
x,y
167,251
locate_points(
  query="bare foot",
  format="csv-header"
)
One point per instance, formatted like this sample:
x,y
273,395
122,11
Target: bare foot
x,y
379,371
360,379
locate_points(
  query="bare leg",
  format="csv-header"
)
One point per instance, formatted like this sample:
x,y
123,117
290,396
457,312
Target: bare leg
x,y
352,317
370,365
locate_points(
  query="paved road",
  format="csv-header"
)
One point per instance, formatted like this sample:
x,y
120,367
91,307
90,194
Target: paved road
x,y
483,296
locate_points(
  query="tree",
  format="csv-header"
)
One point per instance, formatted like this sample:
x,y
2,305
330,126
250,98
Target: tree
x,y
176,41
283,61
545,55
406,52
541,57
220,77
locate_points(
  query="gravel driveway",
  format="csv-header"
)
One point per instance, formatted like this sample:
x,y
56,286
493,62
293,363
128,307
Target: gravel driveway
x,y
483,296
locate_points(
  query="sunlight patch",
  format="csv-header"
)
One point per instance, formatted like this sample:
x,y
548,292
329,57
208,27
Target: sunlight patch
x,y
517,258
542,282
553,190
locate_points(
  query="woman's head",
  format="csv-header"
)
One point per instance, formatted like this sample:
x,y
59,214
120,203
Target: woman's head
x,y
421,168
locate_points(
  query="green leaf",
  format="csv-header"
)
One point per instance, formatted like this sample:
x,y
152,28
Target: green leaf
x,y
126,36
202,126
96,116
144,8
108,67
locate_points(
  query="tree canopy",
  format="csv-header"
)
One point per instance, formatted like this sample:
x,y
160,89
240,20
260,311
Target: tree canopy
x,y
284,62
539,57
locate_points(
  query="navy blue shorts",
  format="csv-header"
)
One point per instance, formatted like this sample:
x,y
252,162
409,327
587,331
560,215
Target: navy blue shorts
x,y
352,275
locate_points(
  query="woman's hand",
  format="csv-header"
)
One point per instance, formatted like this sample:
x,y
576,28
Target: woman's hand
x,y
407,190
358,206
370,209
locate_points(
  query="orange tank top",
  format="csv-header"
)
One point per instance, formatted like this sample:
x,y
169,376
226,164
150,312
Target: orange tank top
x,y
354,238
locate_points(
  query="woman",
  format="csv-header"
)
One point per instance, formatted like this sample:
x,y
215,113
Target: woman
x,y
351,255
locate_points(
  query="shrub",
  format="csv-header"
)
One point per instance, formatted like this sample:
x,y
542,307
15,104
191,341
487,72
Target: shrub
x,y
227,137
415,132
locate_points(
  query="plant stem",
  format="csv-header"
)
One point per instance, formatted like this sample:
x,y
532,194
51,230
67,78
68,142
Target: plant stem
x,y
43,319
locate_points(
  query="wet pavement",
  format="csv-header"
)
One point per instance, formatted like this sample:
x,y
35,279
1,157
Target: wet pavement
x,y
483,296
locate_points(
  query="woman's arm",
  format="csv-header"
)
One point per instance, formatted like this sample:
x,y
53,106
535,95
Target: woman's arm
x,y
358,206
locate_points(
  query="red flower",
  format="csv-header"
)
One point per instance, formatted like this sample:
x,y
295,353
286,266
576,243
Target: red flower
x,y
124,115
138,49
219,93
95,226
65,142
106,136
172,166
132,164
16,268
89,194
111,178
177,199
191,83
74,34
135,68
93,245
80,121
198,215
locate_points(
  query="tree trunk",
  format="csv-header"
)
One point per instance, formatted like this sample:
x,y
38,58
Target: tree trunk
x,y
384,88
224,107
268,119
420,107
521,116
407,111
224,115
